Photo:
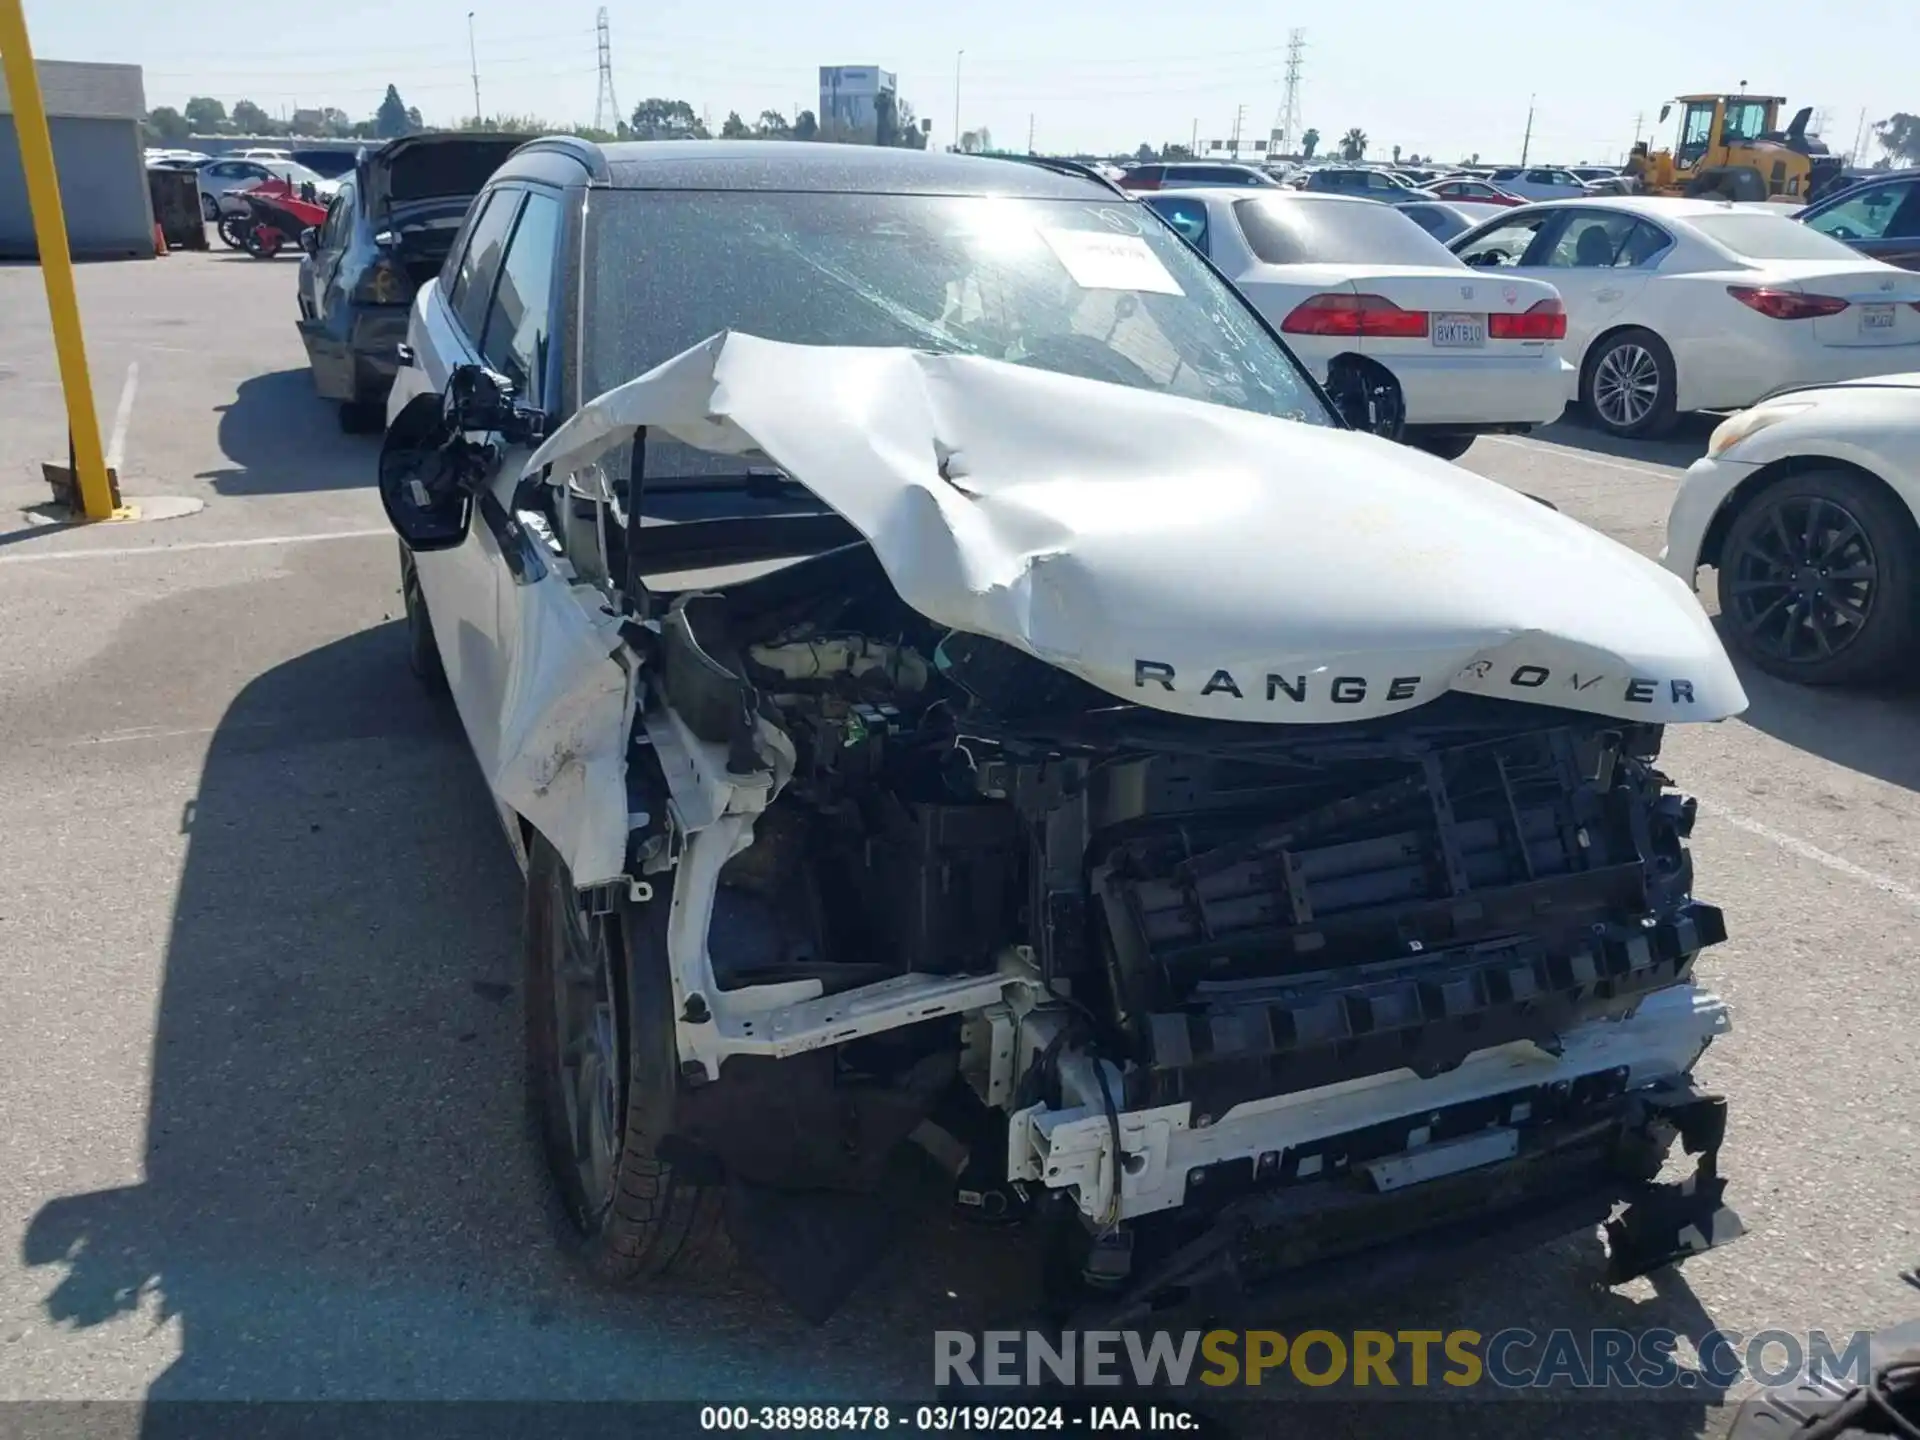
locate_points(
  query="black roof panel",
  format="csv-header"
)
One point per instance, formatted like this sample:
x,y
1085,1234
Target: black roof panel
x,y
801,165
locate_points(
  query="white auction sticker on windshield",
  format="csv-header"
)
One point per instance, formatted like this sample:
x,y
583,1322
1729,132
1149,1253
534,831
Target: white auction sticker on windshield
x,y
1099,261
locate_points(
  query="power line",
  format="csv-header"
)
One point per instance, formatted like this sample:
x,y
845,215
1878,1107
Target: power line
x,y
606,109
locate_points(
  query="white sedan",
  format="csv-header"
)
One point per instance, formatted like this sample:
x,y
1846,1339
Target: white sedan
x,y
1806,505
1681,305
1371,303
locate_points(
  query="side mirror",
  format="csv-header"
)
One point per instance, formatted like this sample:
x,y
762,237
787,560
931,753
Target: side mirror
x,y
310,239
424,488
482,400
1665,110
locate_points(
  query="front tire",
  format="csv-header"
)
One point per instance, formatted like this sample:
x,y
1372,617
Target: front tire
x,y
233,231
603,1074
423,650
1628,386
1447,447
1817,580
362,417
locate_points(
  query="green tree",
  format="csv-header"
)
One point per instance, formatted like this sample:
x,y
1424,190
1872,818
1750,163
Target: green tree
x,y
1353,145
805,127
1899,136
250,119
1175,152
1309,143
168,124
1145,154
390,120
733,127
772,125
657,119
1396,154
206,115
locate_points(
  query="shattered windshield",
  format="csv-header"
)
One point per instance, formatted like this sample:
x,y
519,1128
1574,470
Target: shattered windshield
x,y
1098,289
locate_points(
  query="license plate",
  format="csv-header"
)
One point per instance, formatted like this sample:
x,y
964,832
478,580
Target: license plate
x,y
1876,317
1460,332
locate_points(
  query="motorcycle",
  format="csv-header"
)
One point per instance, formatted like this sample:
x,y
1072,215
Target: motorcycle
x,y
276,214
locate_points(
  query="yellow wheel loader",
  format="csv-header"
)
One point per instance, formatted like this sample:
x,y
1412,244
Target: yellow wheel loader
x,y
1731,146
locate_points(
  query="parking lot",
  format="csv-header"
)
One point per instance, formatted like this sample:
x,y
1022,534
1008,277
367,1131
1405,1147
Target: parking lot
x,y
264,1132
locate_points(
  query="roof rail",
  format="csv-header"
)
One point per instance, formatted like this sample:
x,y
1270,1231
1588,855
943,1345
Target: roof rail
x,y
1068,167
585,151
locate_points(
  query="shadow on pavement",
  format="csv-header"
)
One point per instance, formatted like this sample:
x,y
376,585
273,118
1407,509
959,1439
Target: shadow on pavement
x,y
1686,444
280,438
340,1200
1873,731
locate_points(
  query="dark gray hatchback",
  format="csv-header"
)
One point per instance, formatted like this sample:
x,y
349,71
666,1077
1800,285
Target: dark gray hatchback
x,y
387,233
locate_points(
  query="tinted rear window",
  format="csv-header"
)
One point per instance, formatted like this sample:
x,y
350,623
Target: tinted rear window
x,y
1771,237
1299,232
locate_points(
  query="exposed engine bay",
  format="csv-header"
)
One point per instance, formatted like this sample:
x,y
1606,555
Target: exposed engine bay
x,y
1141,940
1242,902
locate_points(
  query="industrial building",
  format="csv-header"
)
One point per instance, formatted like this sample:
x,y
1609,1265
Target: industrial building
x,y
849,97
94,113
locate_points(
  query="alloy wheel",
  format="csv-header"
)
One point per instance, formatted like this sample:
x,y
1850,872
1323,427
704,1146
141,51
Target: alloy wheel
x,y
1626,385
1802,587
588,1042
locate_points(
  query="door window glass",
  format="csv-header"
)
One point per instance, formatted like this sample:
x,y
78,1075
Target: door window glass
x,y
515,341
480,263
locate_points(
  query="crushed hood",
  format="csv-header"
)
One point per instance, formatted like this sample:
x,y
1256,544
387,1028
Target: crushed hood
x,y
1182,555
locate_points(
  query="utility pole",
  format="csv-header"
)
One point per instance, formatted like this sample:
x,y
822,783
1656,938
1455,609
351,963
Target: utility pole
x,y
1193,146
1526,142
1030,149
473,58
1860,137
1239,118
958,56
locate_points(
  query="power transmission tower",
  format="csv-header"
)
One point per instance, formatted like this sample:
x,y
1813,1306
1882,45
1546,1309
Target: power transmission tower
x,y
606,109
1286,127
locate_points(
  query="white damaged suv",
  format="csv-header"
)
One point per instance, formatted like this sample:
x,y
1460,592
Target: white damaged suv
x,y
950,678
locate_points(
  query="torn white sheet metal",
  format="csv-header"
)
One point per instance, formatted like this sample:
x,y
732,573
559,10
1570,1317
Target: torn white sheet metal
x,y
546,705
1187,556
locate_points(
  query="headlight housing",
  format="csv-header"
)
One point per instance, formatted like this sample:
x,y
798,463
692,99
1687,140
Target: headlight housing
x,y
1731,431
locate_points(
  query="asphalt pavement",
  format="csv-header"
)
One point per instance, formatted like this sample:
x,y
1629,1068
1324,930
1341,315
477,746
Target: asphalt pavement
x,y
261,1127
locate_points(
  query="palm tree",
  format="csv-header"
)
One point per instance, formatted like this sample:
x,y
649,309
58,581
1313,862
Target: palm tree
x,y
1309,143
1353,145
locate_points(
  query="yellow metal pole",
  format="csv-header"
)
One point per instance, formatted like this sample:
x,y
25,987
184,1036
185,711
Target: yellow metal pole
x,y
56,265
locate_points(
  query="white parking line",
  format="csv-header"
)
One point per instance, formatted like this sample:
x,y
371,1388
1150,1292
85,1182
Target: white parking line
x,y
117,443
1567,452
1905,894
121,551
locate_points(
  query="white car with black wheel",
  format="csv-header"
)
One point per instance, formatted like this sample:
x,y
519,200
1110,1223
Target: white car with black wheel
x,y
1376,307
1806,505
1683,305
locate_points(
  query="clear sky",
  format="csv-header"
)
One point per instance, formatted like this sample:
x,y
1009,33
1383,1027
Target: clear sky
x,y
1450,79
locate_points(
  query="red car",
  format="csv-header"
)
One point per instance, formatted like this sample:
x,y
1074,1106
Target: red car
x,y
1480,192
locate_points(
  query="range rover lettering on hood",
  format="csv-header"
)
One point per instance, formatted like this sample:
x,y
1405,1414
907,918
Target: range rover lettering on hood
x,y
1354,689
1182,555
